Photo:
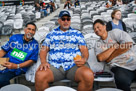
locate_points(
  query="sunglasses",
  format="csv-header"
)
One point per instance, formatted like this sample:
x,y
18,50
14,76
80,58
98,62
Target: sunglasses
x,y
63,19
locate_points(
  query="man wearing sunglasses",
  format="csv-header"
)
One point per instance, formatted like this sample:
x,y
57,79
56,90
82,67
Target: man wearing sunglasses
x,y
67,57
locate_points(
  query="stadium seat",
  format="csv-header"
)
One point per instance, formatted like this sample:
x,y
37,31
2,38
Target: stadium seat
x,y
59,88
109,89
7,30
15,87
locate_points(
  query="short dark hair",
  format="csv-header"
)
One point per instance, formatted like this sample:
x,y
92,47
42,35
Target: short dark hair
x,y
31,23
98,21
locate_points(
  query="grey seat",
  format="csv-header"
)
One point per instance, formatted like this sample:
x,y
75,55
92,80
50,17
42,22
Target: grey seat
x,y
6,30
134,38
33,17
87,23
129,30
134,27
55,20
86,19
50,25
26,19
15,87
1,25
59,88
76,25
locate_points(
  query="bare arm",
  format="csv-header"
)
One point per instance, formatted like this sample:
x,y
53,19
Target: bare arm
x,y
26,64
106,54
43,54
121,49
85,54
84,51
10,65
113,52
2,53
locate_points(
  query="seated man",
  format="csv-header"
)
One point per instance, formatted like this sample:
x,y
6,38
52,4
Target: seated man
x,y
22,51
67,4
44,9
52,6
116,48
37,7
77,3
67,57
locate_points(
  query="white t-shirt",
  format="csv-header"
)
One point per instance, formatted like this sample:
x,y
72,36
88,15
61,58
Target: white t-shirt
x,y
126,60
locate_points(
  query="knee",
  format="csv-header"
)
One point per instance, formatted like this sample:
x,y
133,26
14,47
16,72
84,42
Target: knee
x,y
87,75
41,75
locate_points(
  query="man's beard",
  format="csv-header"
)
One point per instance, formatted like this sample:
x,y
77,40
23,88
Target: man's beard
x,y
65,28
29,36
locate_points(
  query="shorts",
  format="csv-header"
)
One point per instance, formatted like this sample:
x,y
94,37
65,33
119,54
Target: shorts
x,y
60,74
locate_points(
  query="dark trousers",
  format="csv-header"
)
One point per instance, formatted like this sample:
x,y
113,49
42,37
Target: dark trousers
x,y
123,78
5,78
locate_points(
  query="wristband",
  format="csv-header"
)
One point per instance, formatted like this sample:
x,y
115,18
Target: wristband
x,y
18,66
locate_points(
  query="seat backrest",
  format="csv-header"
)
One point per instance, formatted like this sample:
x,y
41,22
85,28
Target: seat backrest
x,y
41,33
134,27
109,89
59,88
18,24
1,25
7,30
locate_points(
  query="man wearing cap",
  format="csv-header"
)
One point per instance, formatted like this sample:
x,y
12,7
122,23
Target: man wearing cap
x,y
22,51
63,44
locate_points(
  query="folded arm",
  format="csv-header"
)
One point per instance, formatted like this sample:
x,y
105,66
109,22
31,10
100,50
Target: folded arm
x,y
114,51
106,54
120,50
